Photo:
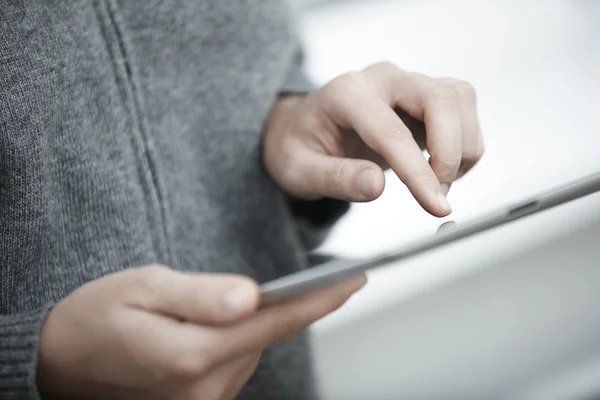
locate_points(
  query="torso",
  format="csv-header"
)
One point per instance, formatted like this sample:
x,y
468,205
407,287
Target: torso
x,y
129,135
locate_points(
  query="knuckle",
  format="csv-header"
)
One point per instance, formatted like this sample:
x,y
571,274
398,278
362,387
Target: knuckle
x,y
422,80
386,66
443,93
395,133
466,90
421,175
346,82
335,177
394,138
448,165
352,78
462,89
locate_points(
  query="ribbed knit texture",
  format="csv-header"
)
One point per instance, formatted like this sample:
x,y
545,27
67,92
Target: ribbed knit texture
x,y
130,135
19,335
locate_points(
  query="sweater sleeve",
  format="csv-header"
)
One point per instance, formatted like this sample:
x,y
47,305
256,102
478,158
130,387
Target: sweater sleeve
x,y
19,347
314,219
297,82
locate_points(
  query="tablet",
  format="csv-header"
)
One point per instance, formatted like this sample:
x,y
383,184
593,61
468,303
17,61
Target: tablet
x,y
332,272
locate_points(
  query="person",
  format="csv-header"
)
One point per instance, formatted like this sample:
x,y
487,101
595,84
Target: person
x,y
158,160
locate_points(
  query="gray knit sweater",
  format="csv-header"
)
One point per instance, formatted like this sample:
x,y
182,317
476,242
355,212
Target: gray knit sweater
x,y
130,135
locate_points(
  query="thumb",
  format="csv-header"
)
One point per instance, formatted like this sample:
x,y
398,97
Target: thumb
x,y
341,178
203,298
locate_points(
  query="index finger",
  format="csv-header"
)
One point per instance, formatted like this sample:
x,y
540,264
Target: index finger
x,y
437,104
368,113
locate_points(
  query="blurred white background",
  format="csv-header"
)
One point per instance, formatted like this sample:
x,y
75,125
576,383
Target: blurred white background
x,y
535,65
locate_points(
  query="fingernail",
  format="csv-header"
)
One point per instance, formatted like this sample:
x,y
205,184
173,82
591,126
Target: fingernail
x,y
365,182
443,202
237,300
445,188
